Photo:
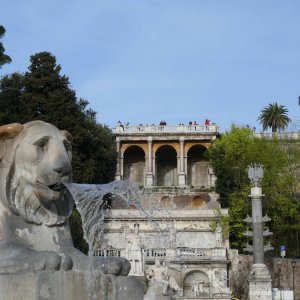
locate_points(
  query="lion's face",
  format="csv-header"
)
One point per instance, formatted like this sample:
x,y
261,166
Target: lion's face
x,y
40,164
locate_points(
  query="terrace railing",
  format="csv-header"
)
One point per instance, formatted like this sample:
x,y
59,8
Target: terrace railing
x,y
123,129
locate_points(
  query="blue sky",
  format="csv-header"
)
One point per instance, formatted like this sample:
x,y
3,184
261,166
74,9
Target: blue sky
x,y
142,61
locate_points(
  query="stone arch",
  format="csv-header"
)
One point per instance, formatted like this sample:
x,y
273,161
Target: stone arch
x,y
134,164
198,202
132,206
166,166
165,202
196,283
197,167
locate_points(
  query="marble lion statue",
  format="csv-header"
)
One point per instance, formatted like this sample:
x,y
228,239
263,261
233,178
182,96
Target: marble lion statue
x,y
35,162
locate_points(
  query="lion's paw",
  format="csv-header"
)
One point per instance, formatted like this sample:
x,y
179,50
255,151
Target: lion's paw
x,y
20,259
111,265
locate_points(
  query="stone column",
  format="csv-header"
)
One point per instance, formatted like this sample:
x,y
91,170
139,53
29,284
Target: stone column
x,y
122,165
260,286
149,174
257,226
181,174
118,169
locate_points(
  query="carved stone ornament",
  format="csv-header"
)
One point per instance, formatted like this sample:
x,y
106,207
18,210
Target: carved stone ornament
x,y
255,174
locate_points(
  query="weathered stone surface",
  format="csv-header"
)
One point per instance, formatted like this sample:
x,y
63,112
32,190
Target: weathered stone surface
x,y
69,285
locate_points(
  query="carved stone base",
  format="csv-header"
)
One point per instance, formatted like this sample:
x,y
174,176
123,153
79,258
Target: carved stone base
x,y
149,179
70,285
181,179
260,283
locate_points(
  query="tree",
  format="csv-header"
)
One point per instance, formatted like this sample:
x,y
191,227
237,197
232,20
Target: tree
x,y
230,156
43,93
4,59
11,91
274,116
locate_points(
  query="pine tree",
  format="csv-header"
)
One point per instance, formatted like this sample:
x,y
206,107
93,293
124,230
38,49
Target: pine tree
x,y
43,93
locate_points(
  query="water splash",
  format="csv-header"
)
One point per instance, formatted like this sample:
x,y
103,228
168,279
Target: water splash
x,y
93,201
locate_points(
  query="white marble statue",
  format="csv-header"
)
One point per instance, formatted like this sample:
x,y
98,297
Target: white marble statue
x,y
133,250
172,234
218,235
160,273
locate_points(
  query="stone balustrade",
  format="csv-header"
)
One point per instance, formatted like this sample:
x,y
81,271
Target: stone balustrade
x,y
183,252
160,252
107,252
123,129
279,135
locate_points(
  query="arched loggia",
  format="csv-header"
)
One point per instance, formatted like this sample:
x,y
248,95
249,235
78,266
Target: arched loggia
x,y
166,166
134,164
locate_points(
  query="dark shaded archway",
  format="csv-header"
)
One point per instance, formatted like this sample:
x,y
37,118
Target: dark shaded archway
x,y
197,172
166,166
134,164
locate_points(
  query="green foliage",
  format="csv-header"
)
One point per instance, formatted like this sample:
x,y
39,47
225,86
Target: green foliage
x,y
231,155
223,220
4,59
274,116
43,94
11,91
77,232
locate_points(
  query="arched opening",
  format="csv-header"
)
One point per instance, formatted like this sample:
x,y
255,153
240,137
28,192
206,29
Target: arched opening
x,y
166,166
196,283
134,164
197,173
165,202
198,202
132,206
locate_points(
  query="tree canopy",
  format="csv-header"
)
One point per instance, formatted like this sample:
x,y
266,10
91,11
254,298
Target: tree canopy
x,y
274,116
4,58
231,155
43,93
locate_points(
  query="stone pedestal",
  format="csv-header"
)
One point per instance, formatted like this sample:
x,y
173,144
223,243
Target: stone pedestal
x,y
181,179
260,283
70,285
149,179
118,176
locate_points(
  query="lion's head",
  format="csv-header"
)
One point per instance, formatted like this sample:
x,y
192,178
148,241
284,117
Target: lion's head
x,y
35,162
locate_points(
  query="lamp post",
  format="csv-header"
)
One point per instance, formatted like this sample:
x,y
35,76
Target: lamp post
x,y
279,263
293,267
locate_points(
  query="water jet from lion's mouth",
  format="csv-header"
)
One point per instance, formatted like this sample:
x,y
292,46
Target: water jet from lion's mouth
x,y
93,201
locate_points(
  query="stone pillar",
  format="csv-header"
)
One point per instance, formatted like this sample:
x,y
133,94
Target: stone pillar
x,y
149,174
154,170
181,174
118,169
260,281
121,166
257,226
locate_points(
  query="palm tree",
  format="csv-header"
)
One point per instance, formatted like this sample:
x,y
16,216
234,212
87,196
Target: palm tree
x,y
274,116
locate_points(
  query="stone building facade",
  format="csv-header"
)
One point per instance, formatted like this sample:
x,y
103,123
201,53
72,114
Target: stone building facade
x,y
165,155
176,226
